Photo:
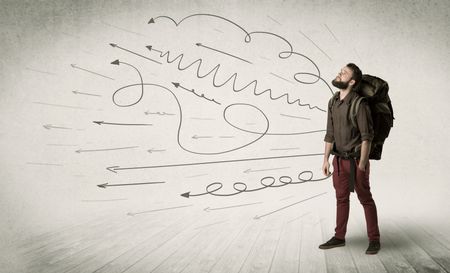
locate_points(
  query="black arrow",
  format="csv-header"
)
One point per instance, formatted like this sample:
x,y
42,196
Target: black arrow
x,y
104,150
117,62
176,84
149,47
236,206
105,185
261,216
89,71
223,52
137,54
114,168
122,124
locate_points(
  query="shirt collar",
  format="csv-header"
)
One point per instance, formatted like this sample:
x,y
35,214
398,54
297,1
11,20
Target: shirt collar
x,y
348,98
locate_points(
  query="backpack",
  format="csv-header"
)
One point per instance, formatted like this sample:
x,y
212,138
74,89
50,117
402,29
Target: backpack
x,y
375,91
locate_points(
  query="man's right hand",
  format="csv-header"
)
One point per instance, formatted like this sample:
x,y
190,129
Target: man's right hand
x,y
326,168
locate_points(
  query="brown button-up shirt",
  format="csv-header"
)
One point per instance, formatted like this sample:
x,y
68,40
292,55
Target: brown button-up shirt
x,y
339,126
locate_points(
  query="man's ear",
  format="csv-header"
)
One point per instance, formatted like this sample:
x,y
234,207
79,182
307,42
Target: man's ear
x,y
352,82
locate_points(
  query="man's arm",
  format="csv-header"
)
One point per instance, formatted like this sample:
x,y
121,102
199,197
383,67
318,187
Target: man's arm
x,y
326,163
365,151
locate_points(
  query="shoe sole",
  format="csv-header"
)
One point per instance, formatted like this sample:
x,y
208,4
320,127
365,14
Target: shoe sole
x,y
332,246
372,252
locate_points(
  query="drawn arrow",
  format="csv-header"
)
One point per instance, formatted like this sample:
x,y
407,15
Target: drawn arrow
x,y
60,105
137,54
130,184
263,170
115,168
49,126
122,124
117,62
154,151
103,150
208,209
197,137
223,52
176,84
111,169
264,215
158,113
89,71
147,211
149,47
87,94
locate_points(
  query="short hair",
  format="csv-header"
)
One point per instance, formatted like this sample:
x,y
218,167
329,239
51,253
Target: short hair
x,y
357,75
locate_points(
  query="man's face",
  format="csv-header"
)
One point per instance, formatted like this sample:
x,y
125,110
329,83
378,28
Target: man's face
x,y
343,78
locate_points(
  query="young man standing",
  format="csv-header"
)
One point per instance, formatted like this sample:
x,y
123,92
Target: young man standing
x,y
351,148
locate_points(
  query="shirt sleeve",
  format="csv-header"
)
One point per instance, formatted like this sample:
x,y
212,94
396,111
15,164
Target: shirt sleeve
x,y
329,136
365,122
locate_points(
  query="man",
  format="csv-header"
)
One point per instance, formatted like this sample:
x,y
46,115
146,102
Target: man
x,y
351,148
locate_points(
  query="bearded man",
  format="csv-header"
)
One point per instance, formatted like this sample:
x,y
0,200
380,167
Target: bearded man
x,y
350,147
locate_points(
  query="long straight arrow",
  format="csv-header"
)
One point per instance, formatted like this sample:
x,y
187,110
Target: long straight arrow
x,y
261,216
122,124
137,54
130,184
104,150
116,168
223,52
89,71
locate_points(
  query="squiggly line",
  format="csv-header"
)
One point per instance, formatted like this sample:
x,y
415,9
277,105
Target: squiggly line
x,y
233,78
181,118
241,187
247,39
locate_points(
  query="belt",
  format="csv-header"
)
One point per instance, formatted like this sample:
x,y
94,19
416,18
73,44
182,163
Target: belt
x,y
352,156
351,185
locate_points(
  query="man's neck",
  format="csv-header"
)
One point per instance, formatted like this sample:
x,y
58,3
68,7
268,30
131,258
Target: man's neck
x,y
343,93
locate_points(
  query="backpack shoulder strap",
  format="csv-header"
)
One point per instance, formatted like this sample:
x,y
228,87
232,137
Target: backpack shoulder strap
x,y
354,108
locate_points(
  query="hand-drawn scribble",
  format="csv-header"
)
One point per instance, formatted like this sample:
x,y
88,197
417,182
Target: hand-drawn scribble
x,y
241,187
244,123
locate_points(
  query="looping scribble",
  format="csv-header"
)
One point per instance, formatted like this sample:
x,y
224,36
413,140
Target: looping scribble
x,y
266,182
233,78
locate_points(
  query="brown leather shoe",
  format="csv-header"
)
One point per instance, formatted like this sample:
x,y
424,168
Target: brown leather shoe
x,y
374,247
333,242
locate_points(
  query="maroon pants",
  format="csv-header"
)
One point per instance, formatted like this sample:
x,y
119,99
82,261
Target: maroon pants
x,y
362,188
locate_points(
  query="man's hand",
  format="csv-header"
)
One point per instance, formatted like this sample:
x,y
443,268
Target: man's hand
x,y
362,166
326,168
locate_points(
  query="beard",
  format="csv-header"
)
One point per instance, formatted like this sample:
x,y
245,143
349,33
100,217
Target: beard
x,y
340,84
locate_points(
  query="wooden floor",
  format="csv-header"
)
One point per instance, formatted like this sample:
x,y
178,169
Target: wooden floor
x,y
232,241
